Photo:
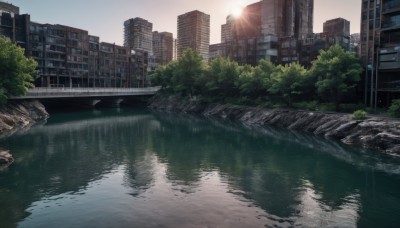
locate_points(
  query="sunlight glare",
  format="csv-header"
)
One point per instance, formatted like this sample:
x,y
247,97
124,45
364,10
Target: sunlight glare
x,y
237,11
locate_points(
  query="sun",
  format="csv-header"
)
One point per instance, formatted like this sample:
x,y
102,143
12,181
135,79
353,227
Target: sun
x,y
237,11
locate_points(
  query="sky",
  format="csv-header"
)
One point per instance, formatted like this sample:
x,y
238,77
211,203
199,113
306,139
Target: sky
x,y
105,18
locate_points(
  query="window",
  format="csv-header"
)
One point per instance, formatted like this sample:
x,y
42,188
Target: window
x,y
392,57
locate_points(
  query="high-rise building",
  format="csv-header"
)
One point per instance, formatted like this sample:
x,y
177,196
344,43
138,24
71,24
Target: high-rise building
x,y
114,63
246,31
287,18
226,29
262,25
138,34
163,43
380,52
13,25
303,18
194,33
355,43
217,50
175,51
337,26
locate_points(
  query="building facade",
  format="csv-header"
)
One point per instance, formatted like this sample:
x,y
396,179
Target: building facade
x,y
138,34
337,26
70,57
194,33
14,26
380,50
246,31
62,53
163,47
226,29
217,50
263,25
287,18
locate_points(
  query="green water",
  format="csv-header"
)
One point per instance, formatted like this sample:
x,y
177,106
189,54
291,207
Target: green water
x,y
134,168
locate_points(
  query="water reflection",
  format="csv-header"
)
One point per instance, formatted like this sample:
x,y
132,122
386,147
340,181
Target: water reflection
x,y
123,167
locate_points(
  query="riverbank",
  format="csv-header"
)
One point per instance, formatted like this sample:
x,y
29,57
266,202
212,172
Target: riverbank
x,y
373,132
20,115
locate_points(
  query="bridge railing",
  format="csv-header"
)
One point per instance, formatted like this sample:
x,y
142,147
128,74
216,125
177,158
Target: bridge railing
x,y
94,90
71,92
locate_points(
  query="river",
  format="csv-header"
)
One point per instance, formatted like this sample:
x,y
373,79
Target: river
x,y
136,168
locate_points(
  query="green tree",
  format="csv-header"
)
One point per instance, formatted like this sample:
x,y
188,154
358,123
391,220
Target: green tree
x,y
190,67
16,70
256,82
394,109
220,79
287,82
337,73
163,76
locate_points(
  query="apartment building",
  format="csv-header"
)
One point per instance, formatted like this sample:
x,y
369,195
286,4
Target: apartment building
x,y
138,34
163,47
14,26
194,33
337,26
62,53
380,50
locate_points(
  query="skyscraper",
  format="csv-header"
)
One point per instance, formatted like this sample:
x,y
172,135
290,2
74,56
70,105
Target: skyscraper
x,y
287,18
226,29
257,31
194,33
163,43
138,34
338,26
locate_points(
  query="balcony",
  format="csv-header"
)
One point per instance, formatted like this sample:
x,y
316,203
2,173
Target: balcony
x,y
390,7
390,25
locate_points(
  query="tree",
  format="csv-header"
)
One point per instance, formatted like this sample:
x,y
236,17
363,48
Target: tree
x,y
337,72
16,70
163,76
255,84
220,79
394,109
190,67
288,82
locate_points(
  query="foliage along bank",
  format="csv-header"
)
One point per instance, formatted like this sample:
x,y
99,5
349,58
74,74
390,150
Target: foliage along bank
x,y
16,70
332,80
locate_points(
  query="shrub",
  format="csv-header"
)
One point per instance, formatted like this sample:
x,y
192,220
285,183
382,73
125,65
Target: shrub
x,y
327,107
359,115
306,105
394,109
351,107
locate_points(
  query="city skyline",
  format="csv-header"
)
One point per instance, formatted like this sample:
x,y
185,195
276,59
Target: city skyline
x,y
105,18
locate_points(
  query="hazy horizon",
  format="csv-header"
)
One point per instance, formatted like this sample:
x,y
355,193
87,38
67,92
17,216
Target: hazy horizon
x,y
104,18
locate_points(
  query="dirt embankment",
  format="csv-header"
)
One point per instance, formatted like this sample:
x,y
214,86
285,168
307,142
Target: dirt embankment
x,y
19,115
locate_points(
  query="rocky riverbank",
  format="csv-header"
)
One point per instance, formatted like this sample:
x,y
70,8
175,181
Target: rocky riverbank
x,y
20,115
373,132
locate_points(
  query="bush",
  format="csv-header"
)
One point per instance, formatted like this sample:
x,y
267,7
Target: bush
x,y
359,115
394,109
311,105
327,107
351,107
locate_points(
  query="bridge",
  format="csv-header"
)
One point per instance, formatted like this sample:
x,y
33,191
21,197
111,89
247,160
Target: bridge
x,y
87,96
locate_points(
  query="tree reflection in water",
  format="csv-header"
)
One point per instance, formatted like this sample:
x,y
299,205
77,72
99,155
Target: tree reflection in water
x,y
202,167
